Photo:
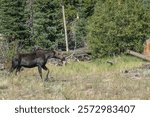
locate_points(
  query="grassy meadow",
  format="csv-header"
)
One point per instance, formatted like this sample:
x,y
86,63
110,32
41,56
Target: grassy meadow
x,y
78,80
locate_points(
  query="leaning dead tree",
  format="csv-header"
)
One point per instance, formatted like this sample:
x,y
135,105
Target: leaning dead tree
x,y
141,56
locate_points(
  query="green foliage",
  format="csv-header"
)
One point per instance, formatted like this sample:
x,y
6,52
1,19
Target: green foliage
x,y
113,26
13,22
147,3
77,13
71,11
87,7
117,25
47,23
40,22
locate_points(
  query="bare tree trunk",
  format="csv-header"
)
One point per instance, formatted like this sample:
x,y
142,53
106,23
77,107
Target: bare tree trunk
x,y
65,28
31,17
141,56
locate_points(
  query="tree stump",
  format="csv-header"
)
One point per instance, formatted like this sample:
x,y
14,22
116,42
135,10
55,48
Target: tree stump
x,y
147,48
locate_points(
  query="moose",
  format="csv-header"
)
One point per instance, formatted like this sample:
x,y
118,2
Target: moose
x,y
37,58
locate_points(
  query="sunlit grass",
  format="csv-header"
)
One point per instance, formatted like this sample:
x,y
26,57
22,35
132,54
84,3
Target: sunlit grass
x,y
96,79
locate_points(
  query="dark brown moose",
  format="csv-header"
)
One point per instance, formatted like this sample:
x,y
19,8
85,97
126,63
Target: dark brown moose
x,y
38,58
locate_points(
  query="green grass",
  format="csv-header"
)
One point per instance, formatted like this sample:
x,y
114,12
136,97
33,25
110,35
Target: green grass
x,y
78,80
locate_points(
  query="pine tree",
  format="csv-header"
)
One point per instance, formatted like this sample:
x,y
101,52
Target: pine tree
x,y
77,13
117,25
47,23
13,22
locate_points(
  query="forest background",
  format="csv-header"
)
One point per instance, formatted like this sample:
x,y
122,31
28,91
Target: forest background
x,y
107,27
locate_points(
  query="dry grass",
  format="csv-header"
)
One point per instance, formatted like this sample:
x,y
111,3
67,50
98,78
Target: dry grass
x,y
84,80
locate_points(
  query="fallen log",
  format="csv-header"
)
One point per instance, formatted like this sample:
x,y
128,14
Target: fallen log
x,y
82,54
78,51
141,56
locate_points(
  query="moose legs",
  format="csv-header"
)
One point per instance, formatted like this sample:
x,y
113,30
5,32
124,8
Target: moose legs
x,y
45,68
18,68
40,71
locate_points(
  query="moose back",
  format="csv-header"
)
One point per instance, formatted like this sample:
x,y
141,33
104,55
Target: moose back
x,y
38,58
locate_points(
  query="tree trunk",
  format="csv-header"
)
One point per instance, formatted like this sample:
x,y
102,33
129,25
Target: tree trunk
x,y
31,17
65,27
141,56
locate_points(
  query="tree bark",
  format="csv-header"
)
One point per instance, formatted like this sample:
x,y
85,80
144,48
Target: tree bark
x,y
65,27
141,56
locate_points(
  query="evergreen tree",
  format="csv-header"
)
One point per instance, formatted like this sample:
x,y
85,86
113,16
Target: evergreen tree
x,y
77,13
13,22
147,3
47,23
117,25
40,22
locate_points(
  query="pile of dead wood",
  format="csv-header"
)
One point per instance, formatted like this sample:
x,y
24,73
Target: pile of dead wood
x,y
81,54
